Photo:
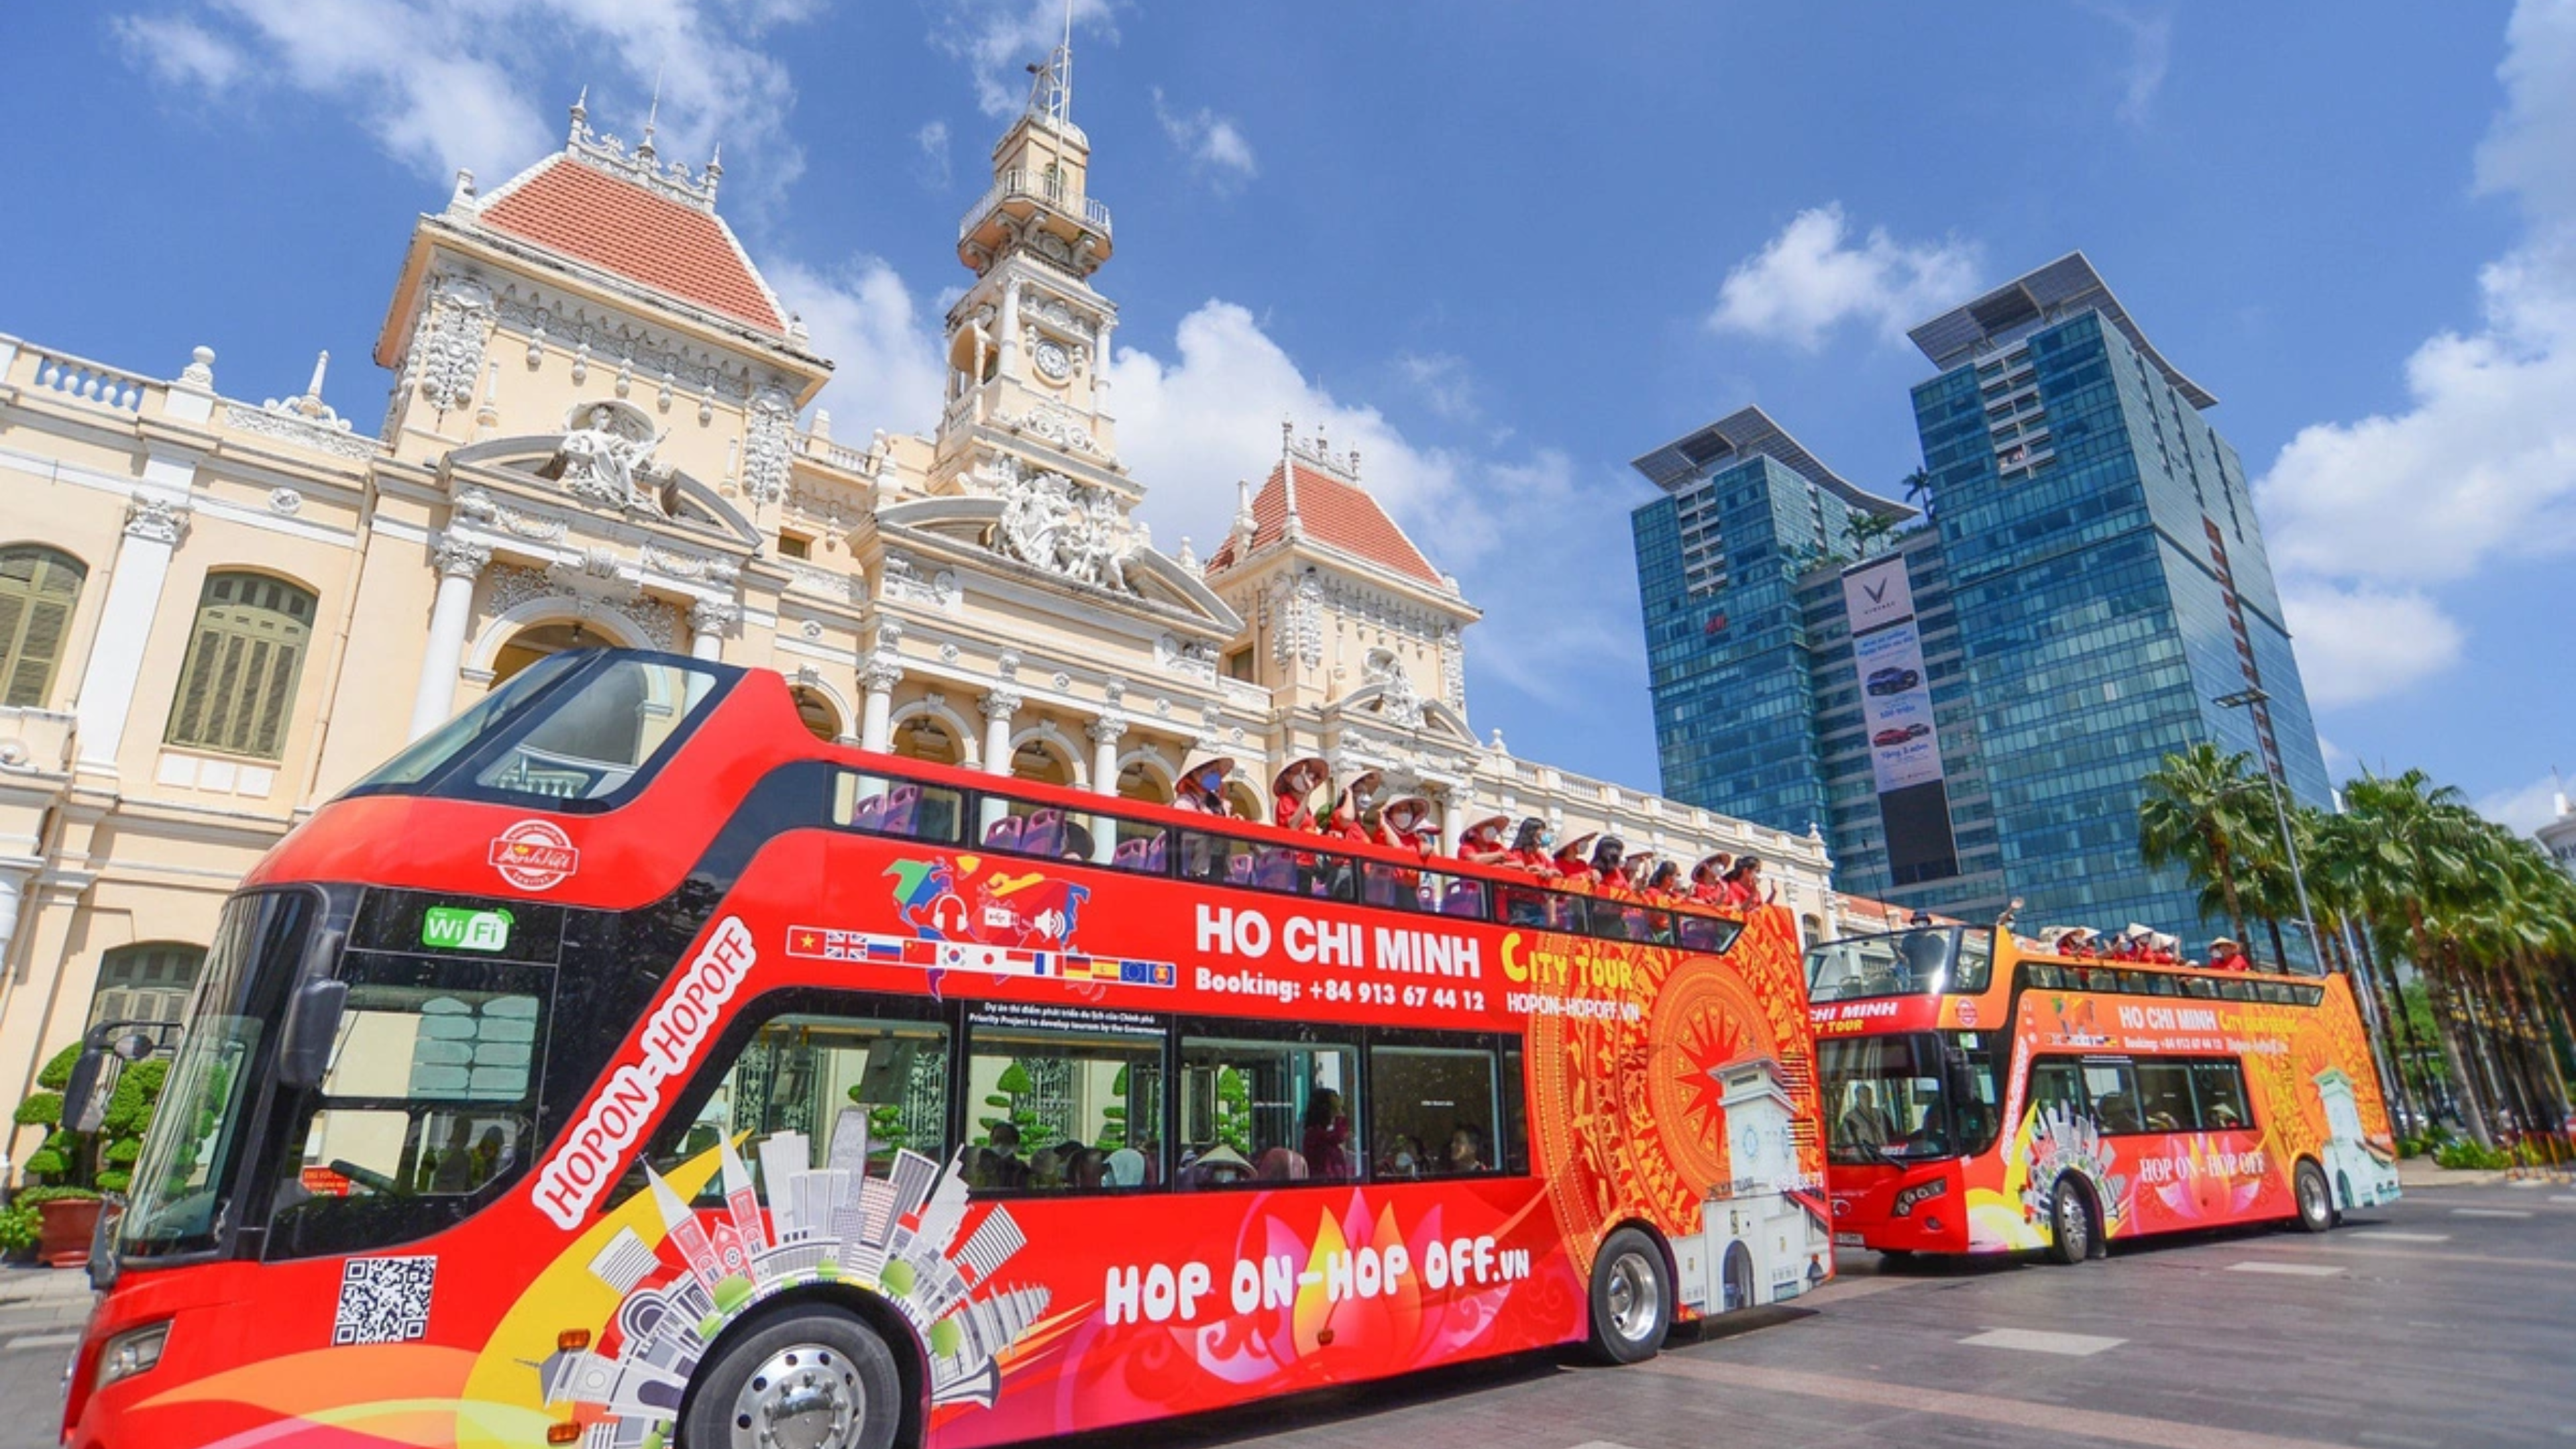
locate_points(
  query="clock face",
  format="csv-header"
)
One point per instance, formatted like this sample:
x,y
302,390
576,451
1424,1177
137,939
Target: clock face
x,y
1052,361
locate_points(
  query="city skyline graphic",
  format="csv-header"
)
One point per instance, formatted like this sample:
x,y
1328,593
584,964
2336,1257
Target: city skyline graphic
x,y
896,1235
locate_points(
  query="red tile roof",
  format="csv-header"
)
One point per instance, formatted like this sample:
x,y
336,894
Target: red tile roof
x,y
1333,512
619,227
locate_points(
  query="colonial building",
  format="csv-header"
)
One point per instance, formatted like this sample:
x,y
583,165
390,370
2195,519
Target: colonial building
x,y
216,613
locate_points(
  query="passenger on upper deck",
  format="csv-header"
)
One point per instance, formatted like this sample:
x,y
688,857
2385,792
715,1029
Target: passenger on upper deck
x,y
1481,843
1529,849
1573,861
1606,863
1664,886
1708,878
2226,955
1202,787
1399,824
1342,821
1744,887
1289,793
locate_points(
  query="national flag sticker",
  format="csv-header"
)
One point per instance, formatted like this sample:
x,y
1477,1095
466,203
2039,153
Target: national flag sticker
x,y
824,943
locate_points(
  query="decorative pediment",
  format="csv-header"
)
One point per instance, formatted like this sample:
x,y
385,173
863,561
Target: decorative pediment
x,y
988,525
1392,702
603,466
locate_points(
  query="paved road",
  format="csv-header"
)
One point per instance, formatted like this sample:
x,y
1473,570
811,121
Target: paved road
x,y
2447,1320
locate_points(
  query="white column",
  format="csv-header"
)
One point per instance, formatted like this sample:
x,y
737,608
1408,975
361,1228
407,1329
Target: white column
x,y
709,622
459,560
13,888
154,525
999,706
1455,807
876,706
1105,733
1010,327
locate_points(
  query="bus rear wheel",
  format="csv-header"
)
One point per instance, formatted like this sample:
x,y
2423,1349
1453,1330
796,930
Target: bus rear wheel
x,y
2070,1221
817,1378
2316,1200
1632,1298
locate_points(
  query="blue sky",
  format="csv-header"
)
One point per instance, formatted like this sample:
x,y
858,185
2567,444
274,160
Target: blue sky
x,y
1501,248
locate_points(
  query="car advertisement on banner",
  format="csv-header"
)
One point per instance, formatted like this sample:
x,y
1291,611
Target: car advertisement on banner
x,y
1896,714
1895,699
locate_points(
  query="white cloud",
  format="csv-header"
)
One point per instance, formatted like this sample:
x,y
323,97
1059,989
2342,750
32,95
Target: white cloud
x,y
2150,36
1193,422
1811,279
886,369
932,165
1442,381
449,84
999,39
1214,145
2525,808
2480,467
2364,643
179,51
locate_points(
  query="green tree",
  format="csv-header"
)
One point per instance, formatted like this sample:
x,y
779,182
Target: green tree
x,y
2195,815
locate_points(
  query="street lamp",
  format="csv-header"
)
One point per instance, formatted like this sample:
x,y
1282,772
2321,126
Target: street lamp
x,y
2246,699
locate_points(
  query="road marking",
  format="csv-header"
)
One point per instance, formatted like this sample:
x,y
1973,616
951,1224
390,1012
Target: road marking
x,y
1599,1444
2489,1213
2032,1340
2391,1235
2292,1270
40,1340
2562,1197
2057,1420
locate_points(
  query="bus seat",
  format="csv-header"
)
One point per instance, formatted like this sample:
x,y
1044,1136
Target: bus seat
x,y
1272,870
1130,854
903,808
1377,887
1155,853
1003,834
1044,834
1464,898
871,813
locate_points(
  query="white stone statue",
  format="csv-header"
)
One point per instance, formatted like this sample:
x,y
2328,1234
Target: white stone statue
x,y
608,460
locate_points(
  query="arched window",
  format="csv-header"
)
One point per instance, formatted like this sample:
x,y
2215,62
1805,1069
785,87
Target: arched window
x,y
927,737
530,645
816,713
150,982
1138,783
1041,761
237,690
38,587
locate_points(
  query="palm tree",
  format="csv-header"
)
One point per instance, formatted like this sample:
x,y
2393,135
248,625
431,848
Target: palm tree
x,y
2422,836
2194,815
1918,491
2339,858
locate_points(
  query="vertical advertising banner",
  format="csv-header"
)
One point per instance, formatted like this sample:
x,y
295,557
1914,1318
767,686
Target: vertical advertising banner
x,y
1896,717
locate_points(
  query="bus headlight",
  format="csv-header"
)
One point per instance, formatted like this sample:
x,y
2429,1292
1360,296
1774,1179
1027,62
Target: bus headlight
x,y
130,1353
1920,1192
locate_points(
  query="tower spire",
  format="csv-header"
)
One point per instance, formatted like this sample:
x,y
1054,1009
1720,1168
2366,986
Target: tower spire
x,y
652,118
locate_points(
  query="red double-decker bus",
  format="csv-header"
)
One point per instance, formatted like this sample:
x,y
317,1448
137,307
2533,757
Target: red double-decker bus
x,y
621,1066
1984,1097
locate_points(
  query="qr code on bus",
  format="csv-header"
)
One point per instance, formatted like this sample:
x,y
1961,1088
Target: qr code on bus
x,y
384,1300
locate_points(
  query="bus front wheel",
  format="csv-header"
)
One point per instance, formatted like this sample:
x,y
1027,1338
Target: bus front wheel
x,y
817,1378
1632,1298
2070,1221
2316,1200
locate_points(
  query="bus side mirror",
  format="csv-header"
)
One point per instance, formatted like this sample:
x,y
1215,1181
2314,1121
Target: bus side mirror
x,y
84,1100
312,1026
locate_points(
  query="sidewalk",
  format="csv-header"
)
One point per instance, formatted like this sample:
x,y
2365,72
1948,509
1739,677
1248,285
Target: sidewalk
x,y
41,1313
2421,1172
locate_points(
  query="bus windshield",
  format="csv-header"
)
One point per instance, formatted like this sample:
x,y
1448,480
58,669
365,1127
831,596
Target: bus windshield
x,y
186,1173
1906,1098
574,730
1919,962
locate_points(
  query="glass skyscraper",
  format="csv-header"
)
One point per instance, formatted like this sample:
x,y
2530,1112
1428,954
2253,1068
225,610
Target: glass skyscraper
x,y
1967,709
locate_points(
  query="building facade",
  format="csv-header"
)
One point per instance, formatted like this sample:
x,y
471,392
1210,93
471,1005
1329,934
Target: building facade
x,y
215,614
1968,706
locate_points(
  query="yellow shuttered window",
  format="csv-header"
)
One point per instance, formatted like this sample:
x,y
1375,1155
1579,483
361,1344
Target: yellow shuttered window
x,y
38,587
238,687
146,983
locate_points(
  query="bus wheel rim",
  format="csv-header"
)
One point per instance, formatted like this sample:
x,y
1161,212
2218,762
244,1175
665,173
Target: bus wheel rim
x,y
2071,1226
804,1396
1634,1298
2312,1196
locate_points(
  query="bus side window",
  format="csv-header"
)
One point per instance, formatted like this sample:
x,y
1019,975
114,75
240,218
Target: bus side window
x,y
2114,1093
2164,1096
2057,1086
1442,1097
2220,1089
884,806
429,1104
1258,1107
1062,1109
815,1091
1515,1115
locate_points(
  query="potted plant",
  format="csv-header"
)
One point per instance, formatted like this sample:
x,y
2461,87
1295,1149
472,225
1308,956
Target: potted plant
x,y
68,1174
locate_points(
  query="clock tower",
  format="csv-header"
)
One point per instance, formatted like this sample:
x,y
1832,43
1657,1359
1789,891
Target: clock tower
x,y
1027,342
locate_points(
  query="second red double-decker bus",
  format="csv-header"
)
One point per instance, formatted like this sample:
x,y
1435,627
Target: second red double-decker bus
x,y
620,1067
1983,1098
